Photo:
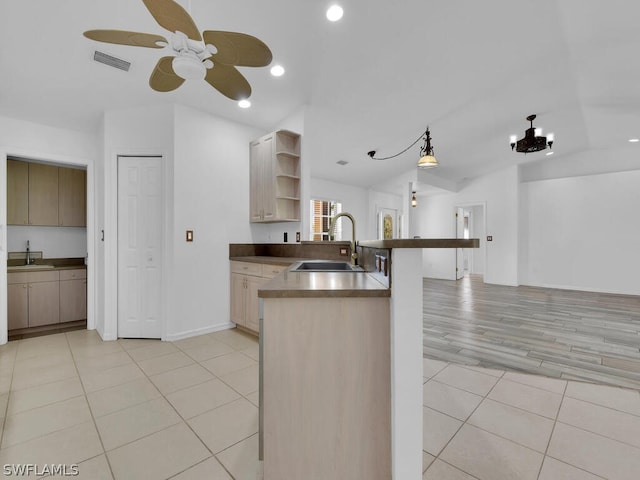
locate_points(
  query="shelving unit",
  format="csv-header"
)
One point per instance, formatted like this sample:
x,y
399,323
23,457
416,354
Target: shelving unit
x,y
275,182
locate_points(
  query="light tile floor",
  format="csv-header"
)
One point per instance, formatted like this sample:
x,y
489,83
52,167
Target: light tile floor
x,y
144,409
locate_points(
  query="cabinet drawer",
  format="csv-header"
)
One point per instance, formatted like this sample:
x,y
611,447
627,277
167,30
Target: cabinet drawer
x,y
32,277
270,271
247,268
73,274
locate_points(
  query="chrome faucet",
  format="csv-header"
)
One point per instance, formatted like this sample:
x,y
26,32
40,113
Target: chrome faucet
x,y
28,257
332,227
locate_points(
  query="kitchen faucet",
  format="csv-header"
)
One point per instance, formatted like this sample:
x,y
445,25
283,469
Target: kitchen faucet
x,y
28,257
332,227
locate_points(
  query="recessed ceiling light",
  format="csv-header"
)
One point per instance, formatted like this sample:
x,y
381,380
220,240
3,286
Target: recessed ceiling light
x,y
277,70
334,13
244,103
634,140
549,154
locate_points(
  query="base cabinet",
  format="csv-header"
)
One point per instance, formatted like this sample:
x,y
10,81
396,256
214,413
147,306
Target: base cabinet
x,y
246,280
44,303
17,306
73,295
42,298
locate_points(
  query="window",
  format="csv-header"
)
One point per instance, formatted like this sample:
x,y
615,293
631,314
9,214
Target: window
x,y
322,211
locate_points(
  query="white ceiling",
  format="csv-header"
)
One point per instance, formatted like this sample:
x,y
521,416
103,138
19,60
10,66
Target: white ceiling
x,y
472,71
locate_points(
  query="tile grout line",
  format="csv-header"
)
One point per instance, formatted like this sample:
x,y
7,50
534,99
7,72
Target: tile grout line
x,y
93,418
437,457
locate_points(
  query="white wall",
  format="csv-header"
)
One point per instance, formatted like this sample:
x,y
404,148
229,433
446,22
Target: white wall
x,y
434,217
53,242
211,197
42,142
581,233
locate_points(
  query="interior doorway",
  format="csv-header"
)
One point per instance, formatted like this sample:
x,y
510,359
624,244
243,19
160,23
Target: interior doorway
x,y
140,247
470,223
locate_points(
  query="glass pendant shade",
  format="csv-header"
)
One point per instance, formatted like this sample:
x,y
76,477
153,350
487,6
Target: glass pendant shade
x,y
427,161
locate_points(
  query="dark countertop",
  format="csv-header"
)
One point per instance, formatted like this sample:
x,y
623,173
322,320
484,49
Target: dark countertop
x,y
58,264
421,243
269,260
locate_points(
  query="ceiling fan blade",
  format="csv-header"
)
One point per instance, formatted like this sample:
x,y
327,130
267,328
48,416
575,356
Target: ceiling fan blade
x,y
123,37
238,48
228,81
163,78
171,16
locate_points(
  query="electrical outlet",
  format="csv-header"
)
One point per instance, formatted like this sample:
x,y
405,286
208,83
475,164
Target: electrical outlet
x,y
344,251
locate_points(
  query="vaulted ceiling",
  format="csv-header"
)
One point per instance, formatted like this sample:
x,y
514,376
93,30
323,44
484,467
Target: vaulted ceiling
x,y
472,71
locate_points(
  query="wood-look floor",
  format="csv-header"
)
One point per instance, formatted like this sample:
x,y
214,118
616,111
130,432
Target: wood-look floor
x,y
566,334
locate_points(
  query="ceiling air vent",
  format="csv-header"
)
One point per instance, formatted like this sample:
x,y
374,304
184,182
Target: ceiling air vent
x,y
342,162
111,61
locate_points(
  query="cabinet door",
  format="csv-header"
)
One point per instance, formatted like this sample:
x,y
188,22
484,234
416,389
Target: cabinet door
x,y
72,198
262,194
255,180
252,316
43,194
238,293
73,300
17,192
17,306
44,303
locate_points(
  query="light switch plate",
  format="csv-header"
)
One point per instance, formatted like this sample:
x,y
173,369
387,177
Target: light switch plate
x,y
489,238
189,235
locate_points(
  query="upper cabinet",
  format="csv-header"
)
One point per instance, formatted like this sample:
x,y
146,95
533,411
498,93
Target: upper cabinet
x,y
72,197
39,194
43,194
17,193
275,178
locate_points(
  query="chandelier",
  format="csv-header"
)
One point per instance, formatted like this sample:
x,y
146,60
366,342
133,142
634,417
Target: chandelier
x,y
533,141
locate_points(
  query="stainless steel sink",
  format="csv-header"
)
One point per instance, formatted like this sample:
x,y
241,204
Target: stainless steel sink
x,y
324,266
29,267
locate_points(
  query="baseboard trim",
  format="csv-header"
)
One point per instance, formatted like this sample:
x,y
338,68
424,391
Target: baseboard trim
x,y
199,331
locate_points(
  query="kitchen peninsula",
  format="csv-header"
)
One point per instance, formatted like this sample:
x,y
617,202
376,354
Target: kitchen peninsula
x,y
342,367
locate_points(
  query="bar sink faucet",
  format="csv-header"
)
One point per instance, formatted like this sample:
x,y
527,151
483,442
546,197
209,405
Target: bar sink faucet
x,y
332,227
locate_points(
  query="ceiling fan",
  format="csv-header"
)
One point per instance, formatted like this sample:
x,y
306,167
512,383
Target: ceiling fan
x,y
214,55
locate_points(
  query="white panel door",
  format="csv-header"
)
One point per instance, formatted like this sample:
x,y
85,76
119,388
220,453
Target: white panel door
x,y
139,247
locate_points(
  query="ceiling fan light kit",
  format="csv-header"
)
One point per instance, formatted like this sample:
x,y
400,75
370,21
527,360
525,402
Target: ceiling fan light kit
x,y
212,55
533,140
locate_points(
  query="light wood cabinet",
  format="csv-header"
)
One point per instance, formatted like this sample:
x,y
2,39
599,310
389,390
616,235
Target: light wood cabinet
x,y
44,303
39,194
17,193
72,197
73,295
17,306
43,194
246,280
275,178
34,297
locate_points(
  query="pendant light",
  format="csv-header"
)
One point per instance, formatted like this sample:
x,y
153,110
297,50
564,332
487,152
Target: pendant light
x,y
427,157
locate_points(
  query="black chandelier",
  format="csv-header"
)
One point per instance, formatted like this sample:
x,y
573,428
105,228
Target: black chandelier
x,y
533,141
